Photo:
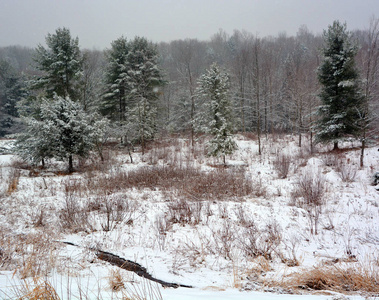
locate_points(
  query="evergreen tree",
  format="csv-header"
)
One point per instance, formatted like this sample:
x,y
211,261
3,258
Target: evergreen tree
x,y
115,96
12,90
216,116
143,79
61,64
63,130
341,99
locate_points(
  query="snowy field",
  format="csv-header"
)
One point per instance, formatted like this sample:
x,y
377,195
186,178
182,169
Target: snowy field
x,y
280,225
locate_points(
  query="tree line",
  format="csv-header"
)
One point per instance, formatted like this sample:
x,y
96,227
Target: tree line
x,y
325,86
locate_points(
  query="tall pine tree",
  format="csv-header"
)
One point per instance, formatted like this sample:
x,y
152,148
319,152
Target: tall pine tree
x,y
340,112
62,65
216,117
144,79
115,96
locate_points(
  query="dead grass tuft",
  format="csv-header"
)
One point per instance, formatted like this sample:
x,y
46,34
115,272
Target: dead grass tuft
x,y
39,290
13,181
338,278
116,282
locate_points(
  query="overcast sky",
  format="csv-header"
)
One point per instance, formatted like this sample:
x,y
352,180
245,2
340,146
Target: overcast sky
x,y
98,22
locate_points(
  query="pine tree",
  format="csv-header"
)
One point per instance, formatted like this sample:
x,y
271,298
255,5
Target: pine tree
x,y
62,130
12,91
61,64
143,79
115,96
340,94
216,118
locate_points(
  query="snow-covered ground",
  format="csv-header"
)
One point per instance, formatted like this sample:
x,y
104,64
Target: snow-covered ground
x,y
254,246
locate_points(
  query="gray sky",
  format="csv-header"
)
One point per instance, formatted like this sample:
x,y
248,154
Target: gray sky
x,y
98,22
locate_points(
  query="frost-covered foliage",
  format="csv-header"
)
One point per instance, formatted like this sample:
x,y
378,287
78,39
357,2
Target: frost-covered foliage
x,y
216,116
63,130
341,107
62,65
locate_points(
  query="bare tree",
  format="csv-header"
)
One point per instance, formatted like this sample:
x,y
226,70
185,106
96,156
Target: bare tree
x,y
240,64
189,63
369,64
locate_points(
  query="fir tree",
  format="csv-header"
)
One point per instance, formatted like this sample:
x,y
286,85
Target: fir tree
x,y
61,64
143,79
62,130
216,117
12,91
115,96
340,95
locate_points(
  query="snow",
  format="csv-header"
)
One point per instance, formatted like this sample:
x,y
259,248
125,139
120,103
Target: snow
x,y
191,254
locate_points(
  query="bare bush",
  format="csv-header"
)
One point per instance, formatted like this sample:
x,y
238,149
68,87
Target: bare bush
x,y
346,170
290,245
282,163
72,215
162,226
110,210
180,211
259,188
330,159
309,194
224,239
256,242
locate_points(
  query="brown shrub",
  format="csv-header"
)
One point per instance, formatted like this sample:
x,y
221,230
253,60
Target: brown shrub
x,y
189,183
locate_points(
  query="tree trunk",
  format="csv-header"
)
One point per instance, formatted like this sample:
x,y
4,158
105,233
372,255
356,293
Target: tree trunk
x,y
70,165
362,151
335,147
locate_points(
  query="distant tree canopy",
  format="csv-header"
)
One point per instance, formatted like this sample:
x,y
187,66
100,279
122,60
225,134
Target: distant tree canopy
x,y
342,102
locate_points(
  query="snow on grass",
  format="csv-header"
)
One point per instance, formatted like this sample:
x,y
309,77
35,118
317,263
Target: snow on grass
x,y
227,248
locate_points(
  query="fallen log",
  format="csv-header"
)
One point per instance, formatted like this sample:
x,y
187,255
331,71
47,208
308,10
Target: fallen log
x,y
129,265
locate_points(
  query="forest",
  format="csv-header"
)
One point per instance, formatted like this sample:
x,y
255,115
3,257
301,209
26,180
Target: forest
x,y
273,83
220,169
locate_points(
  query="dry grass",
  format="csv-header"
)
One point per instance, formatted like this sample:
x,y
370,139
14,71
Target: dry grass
x,y
38,256
30,255
39,290
338,278
13,181
115,280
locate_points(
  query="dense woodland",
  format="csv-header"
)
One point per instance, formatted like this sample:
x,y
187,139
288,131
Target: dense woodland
x,y
273,82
